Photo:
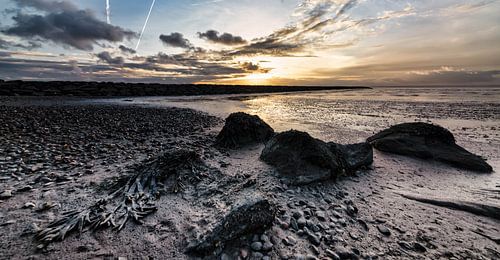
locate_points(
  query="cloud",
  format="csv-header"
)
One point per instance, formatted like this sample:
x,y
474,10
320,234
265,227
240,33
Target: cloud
x,y
126,50
106,57
64,25
9,45
252,67
176,40
47,5
225,38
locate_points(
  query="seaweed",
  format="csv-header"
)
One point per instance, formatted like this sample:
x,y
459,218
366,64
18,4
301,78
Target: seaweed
x,y
132,198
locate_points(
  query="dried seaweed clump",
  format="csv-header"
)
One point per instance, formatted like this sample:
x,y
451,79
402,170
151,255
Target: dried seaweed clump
x,y
132,197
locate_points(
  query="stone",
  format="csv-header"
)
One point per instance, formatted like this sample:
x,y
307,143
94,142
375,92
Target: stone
x,y
256,246
6,194
384,230
243,129
302,159
250,216
267,246
321,215
356,155
332,254
427,141
289,241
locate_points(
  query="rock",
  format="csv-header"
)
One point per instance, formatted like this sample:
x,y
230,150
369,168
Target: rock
x,y
289,241
6,194
321,215
405,245
253,215
332,254
243,129
267,246
356,155
346,254
301,158
29,205
419,247
256,255
384,230
427,141
256,246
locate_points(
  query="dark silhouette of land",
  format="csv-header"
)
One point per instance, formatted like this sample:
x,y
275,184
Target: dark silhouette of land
x,y
98,89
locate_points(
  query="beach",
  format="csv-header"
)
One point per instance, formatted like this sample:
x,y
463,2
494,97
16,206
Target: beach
x,y
57,152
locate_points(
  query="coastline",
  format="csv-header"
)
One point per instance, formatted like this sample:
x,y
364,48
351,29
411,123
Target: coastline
x,y
183,217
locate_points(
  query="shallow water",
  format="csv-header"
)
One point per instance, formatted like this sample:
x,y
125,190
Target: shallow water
x,y
472,114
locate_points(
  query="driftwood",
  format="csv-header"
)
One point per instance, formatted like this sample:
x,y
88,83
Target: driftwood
x,y
491,211
133,197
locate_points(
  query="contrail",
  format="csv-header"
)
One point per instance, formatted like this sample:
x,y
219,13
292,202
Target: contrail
x,y
108,12
145,24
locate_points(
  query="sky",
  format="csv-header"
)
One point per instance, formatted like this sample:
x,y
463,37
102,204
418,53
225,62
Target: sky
x,y
255,42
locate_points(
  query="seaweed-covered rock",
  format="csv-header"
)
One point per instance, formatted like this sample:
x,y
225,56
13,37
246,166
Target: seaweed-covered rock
x,y
243,129
302,158
251,216
356,155
427,141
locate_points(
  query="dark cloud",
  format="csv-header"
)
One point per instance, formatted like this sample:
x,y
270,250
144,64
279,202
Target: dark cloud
x,y
28,46
225,38
126,50
106,57
454,77
252,67
64,25
4,54
176,40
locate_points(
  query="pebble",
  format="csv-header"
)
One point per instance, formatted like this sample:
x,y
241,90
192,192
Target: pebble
x,y
419,247
267,246
256,246
25,188
384,230
405,245
321,216
257,255
315,250
301,222
289,241
293,223
6,194
28,205
244,253
332,254
297,214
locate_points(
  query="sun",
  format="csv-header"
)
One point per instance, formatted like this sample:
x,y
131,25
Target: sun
x,y
257,79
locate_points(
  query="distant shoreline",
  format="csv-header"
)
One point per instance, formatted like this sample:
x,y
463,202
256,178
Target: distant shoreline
x,y
112,89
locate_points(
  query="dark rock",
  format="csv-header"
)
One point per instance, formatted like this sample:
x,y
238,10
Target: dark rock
x,y
289,241
384,230
356,155
419,247
6,194
302,158
254,215
256,246
267,246
427,141
243,129
344,253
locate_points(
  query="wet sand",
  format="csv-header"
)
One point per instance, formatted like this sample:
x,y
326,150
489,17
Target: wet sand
x,y
396,228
